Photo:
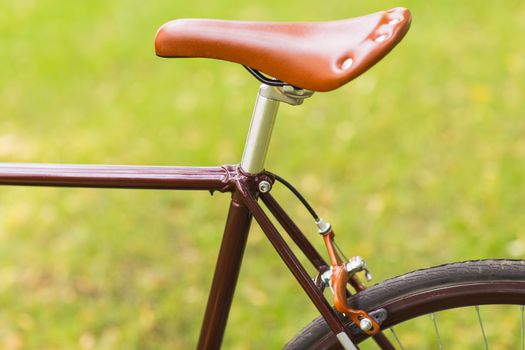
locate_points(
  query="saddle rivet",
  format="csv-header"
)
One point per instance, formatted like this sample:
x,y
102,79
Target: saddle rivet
x,y
395,21
381,38
347,63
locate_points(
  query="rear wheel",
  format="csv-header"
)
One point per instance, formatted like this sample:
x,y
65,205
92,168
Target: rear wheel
x,y
467,288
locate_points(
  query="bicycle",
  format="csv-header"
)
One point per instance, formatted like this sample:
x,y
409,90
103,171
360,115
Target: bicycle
x,y
367,312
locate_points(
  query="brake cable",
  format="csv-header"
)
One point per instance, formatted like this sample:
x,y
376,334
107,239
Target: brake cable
x,y
340,272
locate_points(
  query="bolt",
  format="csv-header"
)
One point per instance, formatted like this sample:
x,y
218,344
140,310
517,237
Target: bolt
x,y
287,88
368,275
326,276
264,186
365,324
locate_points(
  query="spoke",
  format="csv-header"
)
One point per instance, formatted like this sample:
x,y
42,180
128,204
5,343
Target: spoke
x,y
522,329
437,331
482,329
397,339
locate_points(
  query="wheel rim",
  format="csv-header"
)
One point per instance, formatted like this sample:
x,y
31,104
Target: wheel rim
x,y
449,297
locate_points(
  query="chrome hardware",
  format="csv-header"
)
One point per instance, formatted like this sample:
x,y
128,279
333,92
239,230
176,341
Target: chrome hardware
x,y
264,186
347,63
354,265
357,264
378,315
381,38
365,324
263,119
287,94
323,226
326,277
345,341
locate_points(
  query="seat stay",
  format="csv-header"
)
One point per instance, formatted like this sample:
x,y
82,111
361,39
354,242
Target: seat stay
x,y
296,268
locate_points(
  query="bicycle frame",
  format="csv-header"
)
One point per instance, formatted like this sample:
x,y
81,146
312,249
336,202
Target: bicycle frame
x,y
244,189
243,206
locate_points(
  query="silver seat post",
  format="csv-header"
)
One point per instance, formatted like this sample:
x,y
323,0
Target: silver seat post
x,y
263,119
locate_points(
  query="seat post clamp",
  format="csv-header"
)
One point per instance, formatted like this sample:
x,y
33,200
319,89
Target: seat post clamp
x,y
287,94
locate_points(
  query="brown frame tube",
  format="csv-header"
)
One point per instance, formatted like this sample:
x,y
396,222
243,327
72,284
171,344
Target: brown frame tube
x,y
243,206
226,274
119,176
291,261
294,232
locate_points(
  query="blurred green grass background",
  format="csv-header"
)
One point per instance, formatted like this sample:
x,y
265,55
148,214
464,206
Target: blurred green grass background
x,y
416,163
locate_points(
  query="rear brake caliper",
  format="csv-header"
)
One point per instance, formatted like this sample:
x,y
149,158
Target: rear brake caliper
x,y
339,275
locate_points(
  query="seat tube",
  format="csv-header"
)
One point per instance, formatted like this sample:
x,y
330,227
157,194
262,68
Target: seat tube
x,y
239,217
260,132
237,227
226,274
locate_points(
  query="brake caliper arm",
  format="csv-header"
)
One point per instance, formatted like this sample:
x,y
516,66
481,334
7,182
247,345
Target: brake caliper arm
x,y
340,275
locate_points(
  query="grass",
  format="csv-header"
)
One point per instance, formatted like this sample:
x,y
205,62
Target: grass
x,y
416,163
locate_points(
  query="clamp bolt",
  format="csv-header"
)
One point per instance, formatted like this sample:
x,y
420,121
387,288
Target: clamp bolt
x,y
365,324
264,186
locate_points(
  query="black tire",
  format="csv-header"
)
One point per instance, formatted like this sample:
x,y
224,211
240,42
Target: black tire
x,y
467,283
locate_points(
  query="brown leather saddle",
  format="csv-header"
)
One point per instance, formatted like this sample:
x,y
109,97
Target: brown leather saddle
x,y
318,56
